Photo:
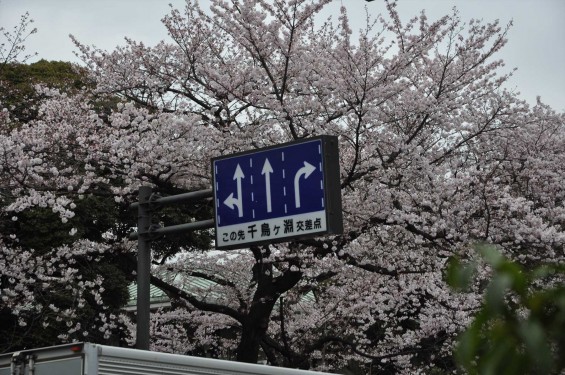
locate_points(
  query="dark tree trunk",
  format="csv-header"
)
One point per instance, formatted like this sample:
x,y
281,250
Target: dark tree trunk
x,y
253,330
256,321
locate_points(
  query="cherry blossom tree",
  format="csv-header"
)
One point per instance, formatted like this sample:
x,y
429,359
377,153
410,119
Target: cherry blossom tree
x,y
435,154
12,43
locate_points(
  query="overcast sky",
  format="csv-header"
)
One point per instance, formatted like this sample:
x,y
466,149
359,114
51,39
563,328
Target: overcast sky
x,y
536,41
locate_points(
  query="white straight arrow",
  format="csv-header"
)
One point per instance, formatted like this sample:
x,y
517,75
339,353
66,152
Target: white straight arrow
x,y
231,201
306,170
267,170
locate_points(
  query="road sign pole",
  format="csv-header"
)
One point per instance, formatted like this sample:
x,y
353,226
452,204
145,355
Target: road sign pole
x,y
144,211
145,234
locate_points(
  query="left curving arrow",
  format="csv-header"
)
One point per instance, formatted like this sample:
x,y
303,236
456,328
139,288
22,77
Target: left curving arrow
x,y
231,201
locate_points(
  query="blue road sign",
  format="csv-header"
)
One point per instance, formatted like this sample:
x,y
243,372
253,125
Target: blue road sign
x,y
272,194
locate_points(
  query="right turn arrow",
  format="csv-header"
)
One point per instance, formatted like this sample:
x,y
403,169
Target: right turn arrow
x,y
306,170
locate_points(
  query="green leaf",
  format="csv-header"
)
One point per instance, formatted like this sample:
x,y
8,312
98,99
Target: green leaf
x,y
496,291
458,275
534,338
490,254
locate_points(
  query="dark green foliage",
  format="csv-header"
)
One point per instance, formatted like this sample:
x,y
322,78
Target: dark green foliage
x,y
17,85
520,326
95,215
40,229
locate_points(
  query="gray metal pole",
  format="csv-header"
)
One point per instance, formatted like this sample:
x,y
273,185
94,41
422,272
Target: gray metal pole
x,y
143,267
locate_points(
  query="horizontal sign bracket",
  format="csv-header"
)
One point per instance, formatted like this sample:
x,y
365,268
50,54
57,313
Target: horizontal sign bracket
x,y
156,231
156,200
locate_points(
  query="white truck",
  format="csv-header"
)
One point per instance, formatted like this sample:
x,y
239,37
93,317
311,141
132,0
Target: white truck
x,y
94,359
